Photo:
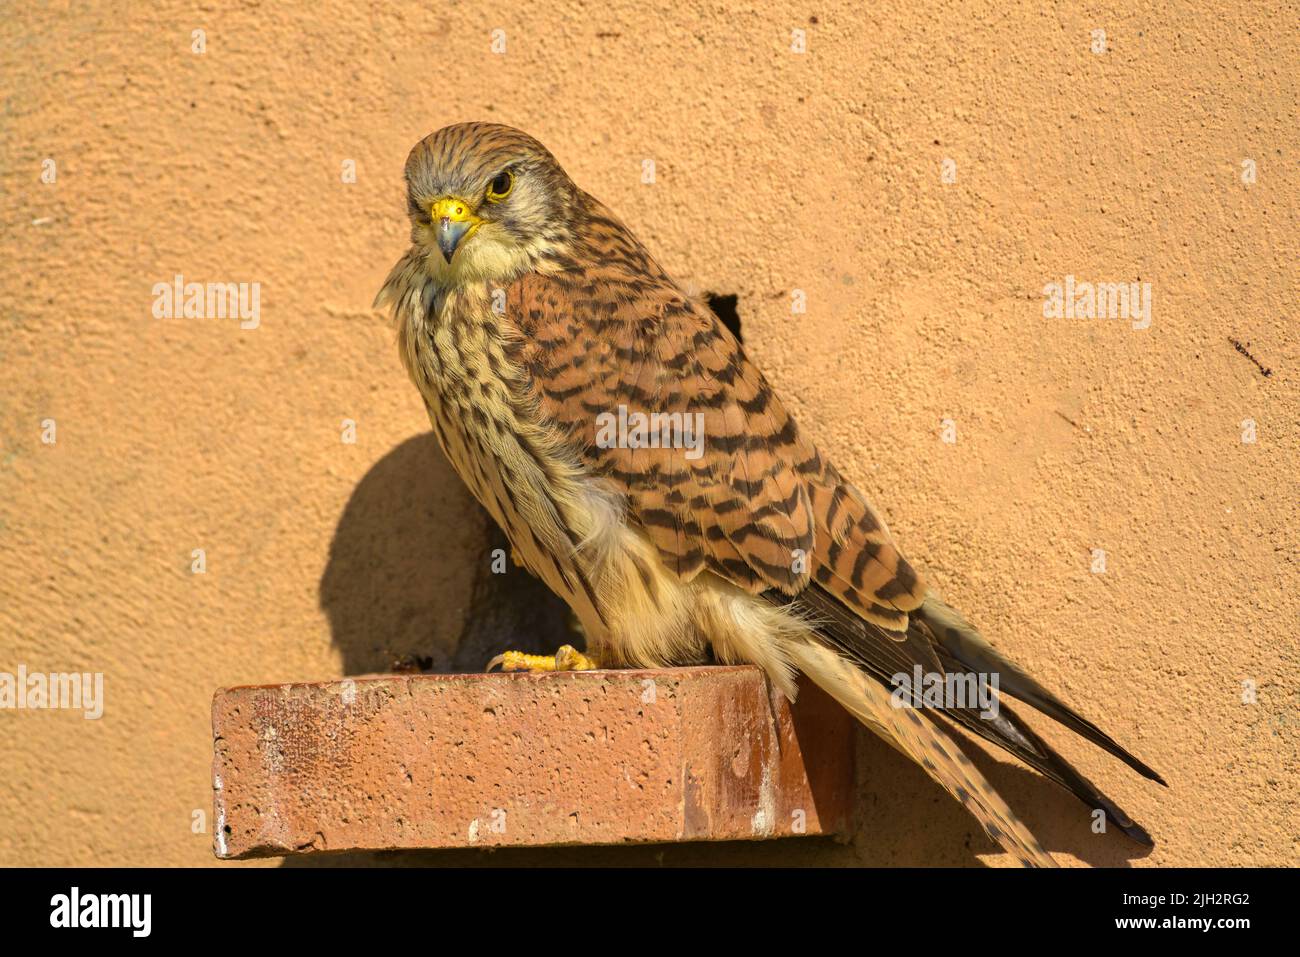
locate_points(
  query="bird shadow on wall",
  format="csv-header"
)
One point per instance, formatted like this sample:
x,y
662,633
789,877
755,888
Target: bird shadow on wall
x,y
409,585
896,794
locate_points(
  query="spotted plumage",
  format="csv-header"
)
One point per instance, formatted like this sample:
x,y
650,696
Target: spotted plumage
x,y
528,315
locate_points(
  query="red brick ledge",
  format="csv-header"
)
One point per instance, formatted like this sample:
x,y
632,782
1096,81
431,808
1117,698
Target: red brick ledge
x,y
392,762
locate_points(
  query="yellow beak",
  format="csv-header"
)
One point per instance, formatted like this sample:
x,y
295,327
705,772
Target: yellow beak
x,y
453,220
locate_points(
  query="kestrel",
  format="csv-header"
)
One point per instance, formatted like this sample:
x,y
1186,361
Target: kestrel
x,y
528,316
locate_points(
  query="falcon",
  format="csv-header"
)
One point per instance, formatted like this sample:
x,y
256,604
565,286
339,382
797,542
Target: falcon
x,y
528,315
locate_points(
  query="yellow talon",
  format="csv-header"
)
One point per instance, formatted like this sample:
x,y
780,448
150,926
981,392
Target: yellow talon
x,y
567,658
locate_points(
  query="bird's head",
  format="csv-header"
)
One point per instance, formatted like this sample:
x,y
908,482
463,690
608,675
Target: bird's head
x,y
486,202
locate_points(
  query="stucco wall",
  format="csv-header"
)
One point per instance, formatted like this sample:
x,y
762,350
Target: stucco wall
x,y
775,171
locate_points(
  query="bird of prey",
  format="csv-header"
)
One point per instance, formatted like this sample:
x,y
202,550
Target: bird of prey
x,y
527,316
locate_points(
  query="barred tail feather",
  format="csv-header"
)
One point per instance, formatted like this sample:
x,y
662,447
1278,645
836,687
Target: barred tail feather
x,y
922,740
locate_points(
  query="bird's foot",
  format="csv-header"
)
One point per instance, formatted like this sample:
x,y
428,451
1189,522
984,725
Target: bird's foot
x,y
567,658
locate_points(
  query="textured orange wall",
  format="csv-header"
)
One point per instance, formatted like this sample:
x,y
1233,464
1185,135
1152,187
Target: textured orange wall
x,y
775,171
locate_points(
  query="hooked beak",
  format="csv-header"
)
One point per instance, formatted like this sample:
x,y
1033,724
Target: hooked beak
x,y
452,220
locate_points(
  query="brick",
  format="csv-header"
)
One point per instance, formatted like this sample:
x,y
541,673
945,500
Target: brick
x,y
473,760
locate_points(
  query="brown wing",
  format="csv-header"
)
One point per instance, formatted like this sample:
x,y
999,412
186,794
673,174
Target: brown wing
x,y
757,504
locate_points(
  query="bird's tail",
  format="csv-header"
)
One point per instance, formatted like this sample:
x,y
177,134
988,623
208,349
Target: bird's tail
x,y
958,639
923,741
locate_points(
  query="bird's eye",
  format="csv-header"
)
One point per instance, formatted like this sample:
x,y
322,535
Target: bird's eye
x,y
500,186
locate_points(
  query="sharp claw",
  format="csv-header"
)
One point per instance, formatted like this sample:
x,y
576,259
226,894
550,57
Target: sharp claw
x,y
567,658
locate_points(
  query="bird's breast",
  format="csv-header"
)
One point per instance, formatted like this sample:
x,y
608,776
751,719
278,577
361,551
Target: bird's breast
x,y
459,357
